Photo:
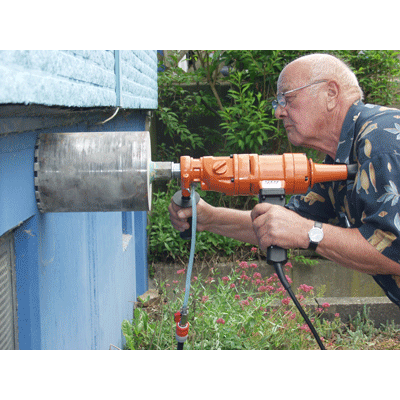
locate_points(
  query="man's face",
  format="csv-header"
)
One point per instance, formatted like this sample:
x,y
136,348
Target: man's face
x,y
303,114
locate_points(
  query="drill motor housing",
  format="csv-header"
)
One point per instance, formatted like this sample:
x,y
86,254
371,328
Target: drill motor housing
x,y
247,174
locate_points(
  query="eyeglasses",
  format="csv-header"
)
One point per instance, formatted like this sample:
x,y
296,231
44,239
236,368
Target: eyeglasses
x,y
281,101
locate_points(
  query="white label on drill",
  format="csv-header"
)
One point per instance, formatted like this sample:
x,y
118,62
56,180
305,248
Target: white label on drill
x,y
271,184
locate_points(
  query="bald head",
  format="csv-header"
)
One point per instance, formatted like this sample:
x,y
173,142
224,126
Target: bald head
x,y
315,67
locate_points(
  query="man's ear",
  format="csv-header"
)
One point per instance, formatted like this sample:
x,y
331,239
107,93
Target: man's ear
x,y
333,95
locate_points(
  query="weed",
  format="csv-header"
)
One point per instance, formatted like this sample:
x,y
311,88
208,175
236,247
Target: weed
x,y
242,311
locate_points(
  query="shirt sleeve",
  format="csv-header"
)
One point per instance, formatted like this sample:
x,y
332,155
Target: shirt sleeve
x,y
316,204
376,193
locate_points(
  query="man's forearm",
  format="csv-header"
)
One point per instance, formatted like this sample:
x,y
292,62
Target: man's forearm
x,y
348,248
232,223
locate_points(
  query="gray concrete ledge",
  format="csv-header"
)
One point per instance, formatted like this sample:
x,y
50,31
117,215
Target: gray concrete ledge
x,y
381,309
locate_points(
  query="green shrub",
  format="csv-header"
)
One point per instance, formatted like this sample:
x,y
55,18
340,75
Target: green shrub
x,y
164,242
246,123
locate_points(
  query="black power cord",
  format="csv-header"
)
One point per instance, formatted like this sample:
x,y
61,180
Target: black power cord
x,y
277,256
286,285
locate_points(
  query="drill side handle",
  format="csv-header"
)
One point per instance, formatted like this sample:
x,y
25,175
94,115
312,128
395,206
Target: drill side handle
x,y
185,202
275,254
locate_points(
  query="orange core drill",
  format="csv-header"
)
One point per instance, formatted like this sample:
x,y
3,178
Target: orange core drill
x,y
247,174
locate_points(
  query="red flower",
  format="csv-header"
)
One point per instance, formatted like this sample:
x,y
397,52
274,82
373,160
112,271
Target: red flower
x,y
180,271
220,321
326,305
232,286
254,250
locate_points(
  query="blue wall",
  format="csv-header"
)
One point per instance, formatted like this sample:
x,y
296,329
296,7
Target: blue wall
x,y
77,275
75,284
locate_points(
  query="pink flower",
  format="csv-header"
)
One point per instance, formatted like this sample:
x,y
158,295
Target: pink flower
x,y
244,303
305,327
254,250
220,321
250,298
326,305
286,301
237,296
226,278
289,265
180,271
289,280
232,286
272,278
244,265
257,275
175,282
194,279
253,265
204,299
306,288
263,288
337,315
280,289
167,285
300,297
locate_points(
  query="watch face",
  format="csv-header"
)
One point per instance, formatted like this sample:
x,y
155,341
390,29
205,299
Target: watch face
x,y
316,235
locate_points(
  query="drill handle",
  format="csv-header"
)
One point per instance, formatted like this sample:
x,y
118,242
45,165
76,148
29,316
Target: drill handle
x,y
275,254
185,202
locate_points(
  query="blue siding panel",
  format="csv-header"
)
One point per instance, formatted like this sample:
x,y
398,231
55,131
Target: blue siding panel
x,y
17,195
139,79
142,272
55,78
78,78
26,243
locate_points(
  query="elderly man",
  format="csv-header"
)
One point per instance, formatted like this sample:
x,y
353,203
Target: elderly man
x,y
356,223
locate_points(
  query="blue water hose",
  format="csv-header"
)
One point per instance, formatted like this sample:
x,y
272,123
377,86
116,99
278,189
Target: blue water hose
x,y
192,247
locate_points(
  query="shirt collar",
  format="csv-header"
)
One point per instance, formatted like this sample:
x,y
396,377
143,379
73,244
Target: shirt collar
x,y
344,149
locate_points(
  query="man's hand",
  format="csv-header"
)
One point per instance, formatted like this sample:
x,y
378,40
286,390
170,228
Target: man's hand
x,y
277,226
179,216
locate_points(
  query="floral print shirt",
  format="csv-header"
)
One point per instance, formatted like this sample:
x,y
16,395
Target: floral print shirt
x,y
370,138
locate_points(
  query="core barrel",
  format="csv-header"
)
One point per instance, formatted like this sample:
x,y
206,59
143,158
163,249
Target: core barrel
x,y
93,171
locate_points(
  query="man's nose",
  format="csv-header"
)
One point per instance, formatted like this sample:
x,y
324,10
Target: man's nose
x,y
280,112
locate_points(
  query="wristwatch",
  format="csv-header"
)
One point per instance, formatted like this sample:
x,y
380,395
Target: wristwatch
x,y
316,234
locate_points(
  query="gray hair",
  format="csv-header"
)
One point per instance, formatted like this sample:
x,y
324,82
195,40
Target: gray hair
x,y
326,66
